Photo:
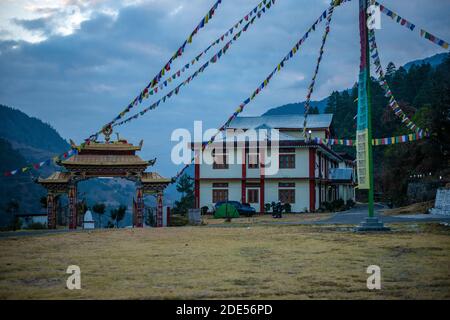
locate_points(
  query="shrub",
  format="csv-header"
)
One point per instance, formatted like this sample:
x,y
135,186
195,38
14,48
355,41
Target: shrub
x,y
327,206
267,207
36,226
177,220
350,203
338,205
287,208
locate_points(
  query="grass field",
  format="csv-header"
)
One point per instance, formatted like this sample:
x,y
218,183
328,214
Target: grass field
x,y
211,262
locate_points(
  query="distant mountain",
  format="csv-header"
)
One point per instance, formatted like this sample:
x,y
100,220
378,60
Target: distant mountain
x,y
25,140
32,137
18,188
434,61
296,108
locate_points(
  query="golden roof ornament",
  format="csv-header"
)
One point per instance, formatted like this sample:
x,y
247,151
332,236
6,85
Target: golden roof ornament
x,y
107,131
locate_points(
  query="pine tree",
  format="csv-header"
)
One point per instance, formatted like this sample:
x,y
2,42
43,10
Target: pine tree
x,y
186,187
390,70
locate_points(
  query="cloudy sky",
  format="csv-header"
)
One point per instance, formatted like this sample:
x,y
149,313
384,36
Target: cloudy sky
x,y
76,63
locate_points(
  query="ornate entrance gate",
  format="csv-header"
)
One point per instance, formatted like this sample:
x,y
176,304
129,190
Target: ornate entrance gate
x,y
104,159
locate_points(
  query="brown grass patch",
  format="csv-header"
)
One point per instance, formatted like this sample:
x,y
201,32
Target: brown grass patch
x,y
415,208
260,262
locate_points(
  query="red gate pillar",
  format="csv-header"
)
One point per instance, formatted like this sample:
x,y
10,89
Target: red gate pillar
x,y
139,218
72,195
51,211
159,210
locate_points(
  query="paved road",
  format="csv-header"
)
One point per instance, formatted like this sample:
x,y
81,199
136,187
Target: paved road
x,y
359,213
352,216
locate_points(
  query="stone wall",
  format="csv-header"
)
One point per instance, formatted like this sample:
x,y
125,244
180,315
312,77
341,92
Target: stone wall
x,y
442,202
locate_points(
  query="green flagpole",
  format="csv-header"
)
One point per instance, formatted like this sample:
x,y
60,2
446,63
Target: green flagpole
x,y
364,126
369,117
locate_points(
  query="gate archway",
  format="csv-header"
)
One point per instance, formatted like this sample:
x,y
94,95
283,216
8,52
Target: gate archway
x,y
96,159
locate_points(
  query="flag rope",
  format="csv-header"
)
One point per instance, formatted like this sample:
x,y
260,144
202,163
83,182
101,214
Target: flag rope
x,y
376,141
407,24
150,90
405,120
316,71
214,59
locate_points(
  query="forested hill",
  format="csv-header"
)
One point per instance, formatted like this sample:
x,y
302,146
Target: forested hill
x,y
18,127
423,92
319,106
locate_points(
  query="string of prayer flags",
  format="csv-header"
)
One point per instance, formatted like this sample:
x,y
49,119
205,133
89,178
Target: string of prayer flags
x,y
263,85
375,142
402,21
38,165
180,50
201,69
383,83
316,71
150,90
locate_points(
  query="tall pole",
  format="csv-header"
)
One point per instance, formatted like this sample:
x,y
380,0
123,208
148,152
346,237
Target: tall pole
x,y
364,125
369,111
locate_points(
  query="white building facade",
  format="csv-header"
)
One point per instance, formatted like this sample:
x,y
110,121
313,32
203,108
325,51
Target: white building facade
x,y
308,174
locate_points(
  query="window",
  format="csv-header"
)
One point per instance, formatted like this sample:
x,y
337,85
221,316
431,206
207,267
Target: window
x,y
286,195
219,195
286,192
252,195
220,185
220,161
253,161
287,161
287,158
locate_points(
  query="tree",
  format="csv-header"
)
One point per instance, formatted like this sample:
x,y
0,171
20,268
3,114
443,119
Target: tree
x,y
314,110
43,202
12,207
186,187
117,215
99,209
390,70
149,218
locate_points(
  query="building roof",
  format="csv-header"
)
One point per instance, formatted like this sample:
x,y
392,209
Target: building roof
x,y
104,160
290,121
341,174
154,177
56,177
120,145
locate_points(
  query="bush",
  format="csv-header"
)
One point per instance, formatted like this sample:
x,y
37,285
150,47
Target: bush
x,y
287,208
327,206
350,203
338,205
267,207
177,220
37,226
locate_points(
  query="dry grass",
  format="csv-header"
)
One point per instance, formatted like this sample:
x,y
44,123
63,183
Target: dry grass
x,y
267,219
280,262
415,208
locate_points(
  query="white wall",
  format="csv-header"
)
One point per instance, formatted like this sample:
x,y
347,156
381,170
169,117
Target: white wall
x,y
301,194
206,189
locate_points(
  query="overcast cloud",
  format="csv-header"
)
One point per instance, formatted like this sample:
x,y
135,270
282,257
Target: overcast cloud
x,y
76,64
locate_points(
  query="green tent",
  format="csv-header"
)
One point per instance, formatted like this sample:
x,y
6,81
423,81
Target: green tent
x,y
226,210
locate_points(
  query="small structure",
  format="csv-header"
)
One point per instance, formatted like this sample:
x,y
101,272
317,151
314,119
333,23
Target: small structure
x,y
28,219
88,221
442,202
194,216
104,159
